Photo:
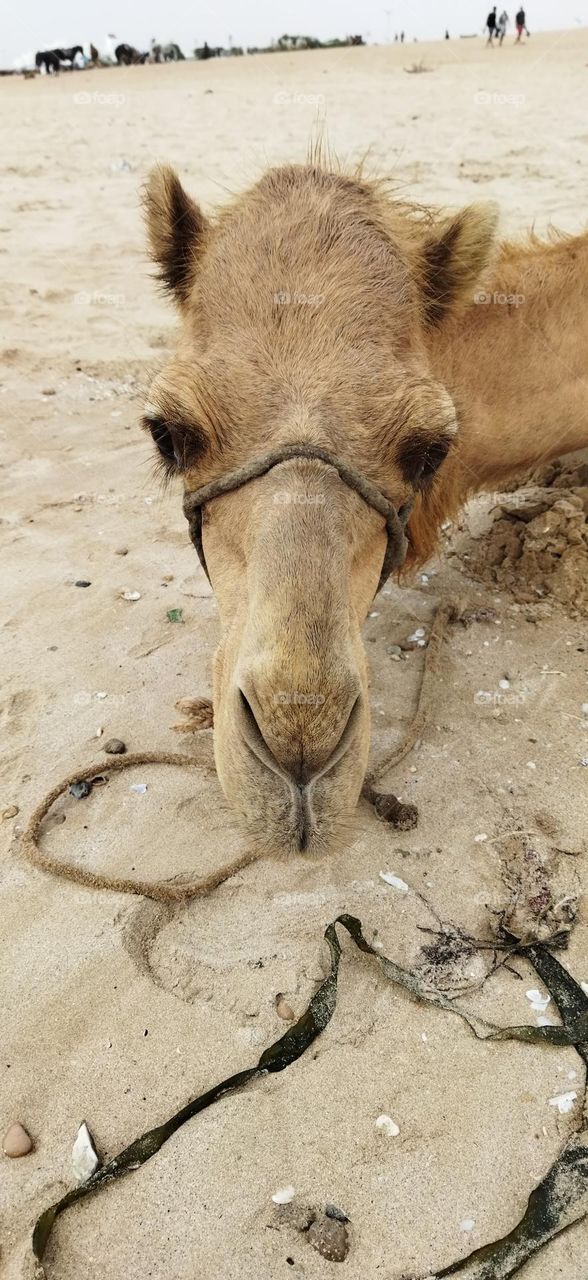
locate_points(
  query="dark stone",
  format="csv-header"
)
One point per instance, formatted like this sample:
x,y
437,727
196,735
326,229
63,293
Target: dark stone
x,y
80,789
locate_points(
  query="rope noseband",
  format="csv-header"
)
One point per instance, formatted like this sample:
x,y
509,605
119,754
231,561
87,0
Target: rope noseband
x,y
395,520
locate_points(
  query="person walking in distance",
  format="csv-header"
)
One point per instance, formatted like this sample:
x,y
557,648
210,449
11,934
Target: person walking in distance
x,y
491,25
521,25
503,22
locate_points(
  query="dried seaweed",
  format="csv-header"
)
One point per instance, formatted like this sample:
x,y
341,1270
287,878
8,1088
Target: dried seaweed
x,y
551,1206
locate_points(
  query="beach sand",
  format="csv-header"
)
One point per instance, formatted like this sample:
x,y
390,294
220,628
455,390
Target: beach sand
x,y
115,1009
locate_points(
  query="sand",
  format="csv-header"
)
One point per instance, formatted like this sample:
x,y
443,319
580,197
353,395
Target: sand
x,y
116,1010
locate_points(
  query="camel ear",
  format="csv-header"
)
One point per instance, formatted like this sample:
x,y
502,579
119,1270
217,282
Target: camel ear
x,y
456,253
175,228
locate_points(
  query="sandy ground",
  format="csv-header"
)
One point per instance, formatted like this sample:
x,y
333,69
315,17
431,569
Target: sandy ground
x,y
116,1010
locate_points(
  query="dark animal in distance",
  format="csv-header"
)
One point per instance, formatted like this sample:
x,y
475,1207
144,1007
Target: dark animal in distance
x,y
54,59
68,55
48,59
127,56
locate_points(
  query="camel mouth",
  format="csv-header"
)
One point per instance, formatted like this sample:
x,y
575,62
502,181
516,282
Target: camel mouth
x,y
303,798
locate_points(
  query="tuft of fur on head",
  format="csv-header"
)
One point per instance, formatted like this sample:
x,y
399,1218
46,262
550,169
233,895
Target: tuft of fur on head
x,y
175,230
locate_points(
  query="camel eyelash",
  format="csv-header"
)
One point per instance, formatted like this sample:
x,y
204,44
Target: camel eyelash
x,y
179,444
420,457
169,457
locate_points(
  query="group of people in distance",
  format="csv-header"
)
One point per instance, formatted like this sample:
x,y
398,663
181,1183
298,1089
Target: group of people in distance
x,y
497,26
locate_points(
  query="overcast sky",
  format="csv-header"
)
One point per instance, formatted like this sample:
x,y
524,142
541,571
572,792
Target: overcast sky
x,y
43,24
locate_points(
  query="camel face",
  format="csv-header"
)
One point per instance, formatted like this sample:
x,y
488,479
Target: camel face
x,y
304,310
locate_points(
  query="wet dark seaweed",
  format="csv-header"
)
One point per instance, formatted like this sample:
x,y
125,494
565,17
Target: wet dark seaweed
x,y
551,1204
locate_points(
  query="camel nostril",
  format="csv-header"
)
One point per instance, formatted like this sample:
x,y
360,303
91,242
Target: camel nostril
x,y
297,765
255,739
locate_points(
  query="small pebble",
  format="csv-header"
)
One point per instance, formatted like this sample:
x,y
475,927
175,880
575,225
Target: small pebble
x,y
386,1125
114,747
468,1224
479,839
101,695
332,1211
81,582
79,790
284,1196
121,551
131,595
10,812
139,788
284,1010
329,1237
531,764
16,1141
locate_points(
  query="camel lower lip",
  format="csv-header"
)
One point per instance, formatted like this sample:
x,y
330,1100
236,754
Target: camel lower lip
x,y
303,820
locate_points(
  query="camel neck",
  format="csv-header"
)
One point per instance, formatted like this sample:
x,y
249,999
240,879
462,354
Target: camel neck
x,y
516,363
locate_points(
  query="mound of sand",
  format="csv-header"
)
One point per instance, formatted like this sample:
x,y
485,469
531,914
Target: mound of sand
x,y
538,544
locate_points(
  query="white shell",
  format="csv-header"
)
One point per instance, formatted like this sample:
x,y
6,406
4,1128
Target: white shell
x,y
395,881
539,1002
84,1156
284,1195
386,1125
564,1102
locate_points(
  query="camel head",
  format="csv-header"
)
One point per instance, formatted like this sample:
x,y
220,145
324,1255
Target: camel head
x,y
305,308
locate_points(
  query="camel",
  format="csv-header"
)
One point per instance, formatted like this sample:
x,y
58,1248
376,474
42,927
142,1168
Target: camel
x,y
409,344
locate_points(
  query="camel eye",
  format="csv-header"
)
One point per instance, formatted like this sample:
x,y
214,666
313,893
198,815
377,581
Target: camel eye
x,y
420,458
164,442
179,445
